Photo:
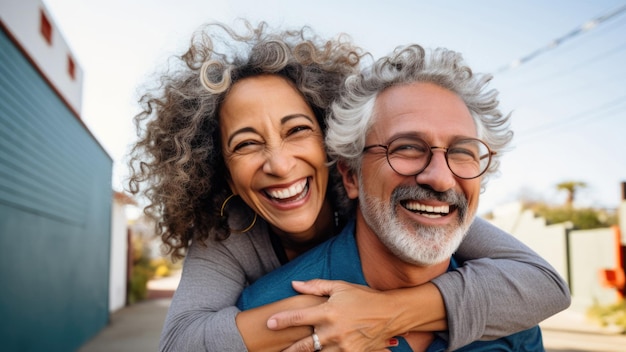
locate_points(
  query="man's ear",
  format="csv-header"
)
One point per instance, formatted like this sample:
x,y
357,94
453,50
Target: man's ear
x,y
350,180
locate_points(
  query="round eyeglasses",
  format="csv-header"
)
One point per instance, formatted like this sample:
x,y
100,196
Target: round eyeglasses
x,y
408,156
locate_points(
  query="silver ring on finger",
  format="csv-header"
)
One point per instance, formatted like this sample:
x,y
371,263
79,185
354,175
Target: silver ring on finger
x,y
317,346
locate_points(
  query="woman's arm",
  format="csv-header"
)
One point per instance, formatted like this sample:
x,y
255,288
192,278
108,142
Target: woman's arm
x,y
202,310
202,313
510,290
203,317
502,288
253,324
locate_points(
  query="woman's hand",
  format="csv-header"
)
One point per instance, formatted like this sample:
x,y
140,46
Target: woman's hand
x,y
355,317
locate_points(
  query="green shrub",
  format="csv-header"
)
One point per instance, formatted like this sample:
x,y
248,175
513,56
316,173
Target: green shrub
x,y
581,218
139,283
609,315
141,273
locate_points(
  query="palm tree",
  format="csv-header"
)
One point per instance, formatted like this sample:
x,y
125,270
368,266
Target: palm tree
x,y
570,187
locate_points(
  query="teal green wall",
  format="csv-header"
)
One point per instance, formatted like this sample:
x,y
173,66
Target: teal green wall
x,y
55,216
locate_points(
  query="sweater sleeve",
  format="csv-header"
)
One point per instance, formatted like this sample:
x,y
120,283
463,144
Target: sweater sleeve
x,y
502,287
202,313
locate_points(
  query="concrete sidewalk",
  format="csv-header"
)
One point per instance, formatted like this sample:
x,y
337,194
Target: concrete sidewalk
x,y
137,329
571,331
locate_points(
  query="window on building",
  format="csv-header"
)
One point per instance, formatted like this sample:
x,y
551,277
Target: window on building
x,y
71,68
45,27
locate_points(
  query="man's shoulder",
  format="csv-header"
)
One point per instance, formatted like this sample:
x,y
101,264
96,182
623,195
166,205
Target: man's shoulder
x,y
317,263
276,285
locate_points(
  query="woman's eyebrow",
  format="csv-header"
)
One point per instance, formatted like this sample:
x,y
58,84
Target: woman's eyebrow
x,y
294,116
241,130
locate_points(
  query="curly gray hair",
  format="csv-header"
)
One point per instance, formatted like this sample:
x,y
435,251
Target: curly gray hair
x,y
352,114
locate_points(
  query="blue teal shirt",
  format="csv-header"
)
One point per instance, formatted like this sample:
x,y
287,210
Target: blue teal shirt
x,y
338,259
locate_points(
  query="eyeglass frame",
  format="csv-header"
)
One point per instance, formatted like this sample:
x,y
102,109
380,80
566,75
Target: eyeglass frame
x,y
490,154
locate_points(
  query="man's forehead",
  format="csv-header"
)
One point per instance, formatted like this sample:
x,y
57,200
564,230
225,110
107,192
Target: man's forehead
x,y
421,107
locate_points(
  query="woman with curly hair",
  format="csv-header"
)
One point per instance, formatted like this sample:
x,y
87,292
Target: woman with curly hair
x,y
231,158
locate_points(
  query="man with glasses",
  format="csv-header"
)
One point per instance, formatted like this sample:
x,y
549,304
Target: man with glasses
x,y
415,138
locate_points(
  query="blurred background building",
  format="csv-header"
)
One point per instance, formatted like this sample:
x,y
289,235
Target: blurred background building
x,y
60,221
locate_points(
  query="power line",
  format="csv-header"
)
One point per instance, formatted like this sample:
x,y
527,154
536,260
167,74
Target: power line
x,y
609,108
556,42
569,71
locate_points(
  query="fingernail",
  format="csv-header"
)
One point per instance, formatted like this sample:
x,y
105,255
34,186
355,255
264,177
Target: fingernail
x,y
272,324
393,342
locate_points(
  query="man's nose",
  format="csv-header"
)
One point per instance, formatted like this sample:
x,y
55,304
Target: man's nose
x,y
437,174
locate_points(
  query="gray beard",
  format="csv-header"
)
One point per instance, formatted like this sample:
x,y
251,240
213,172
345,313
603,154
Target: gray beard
x,y
415,243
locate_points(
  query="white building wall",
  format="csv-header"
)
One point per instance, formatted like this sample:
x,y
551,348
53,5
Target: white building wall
x,y
592,250
589,252
547,240
119,254
22,18
621,213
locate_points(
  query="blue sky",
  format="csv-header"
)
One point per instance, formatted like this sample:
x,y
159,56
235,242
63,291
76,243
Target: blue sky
x,y
568,102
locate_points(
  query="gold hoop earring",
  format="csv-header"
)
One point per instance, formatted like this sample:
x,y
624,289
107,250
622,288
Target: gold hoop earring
x,y
222,215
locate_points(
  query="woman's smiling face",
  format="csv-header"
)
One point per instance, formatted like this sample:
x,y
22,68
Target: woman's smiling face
x,y
274,150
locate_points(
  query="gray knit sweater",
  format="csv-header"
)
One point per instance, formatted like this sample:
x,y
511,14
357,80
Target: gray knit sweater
x,y
510,288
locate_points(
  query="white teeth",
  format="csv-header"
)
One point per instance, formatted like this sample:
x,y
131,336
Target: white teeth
x,y
432,216
288,192
441,209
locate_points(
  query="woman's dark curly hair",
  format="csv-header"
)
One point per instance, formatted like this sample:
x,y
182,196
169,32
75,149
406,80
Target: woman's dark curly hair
x,y
177,163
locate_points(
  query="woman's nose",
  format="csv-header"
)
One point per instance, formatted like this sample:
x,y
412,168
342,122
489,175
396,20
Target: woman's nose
x,y
278,162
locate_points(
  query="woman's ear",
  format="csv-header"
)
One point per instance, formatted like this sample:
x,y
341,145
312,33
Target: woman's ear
x,y
349,178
